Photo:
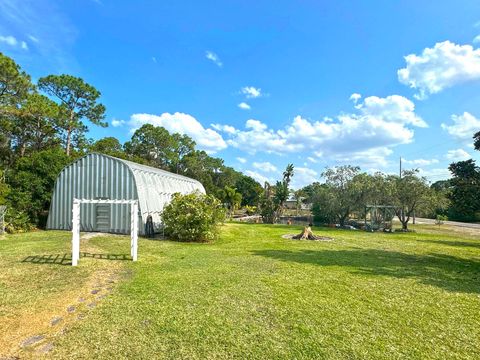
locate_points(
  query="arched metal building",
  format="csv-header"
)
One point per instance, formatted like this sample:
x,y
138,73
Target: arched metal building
x,y
98,176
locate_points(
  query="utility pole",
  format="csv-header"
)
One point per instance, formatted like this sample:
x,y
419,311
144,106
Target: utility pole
x,y
400,167
400,173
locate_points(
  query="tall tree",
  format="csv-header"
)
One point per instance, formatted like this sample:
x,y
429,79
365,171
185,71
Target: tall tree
x,y
464,191
341,192
282,189
250,189
14,83
273,201
183,145
33,124
288,173
410,193
154,144
33,178
476,141
109,146
78,101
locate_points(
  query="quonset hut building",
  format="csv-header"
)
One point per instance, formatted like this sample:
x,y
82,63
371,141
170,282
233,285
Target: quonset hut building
x,y
103,177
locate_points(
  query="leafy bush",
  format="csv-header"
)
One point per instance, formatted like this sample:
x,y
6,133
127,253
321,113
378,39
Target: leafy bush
x,y
193,217
268,210
17,222
440,219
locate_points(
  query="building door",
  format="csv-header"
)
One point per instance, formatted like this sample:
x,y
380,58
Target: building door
x,y
102,218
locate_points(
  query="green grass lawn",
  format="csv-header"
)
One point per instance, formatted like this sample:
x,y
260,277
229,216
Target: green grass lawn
x,y
250,295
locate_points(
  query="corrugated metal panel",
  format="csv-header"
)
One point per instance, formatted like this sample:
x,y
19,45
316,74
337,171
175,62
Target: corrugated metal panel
x,y
98,176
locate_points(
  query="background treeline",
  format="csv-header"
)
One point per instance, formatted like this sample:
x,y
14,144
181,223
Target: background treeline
x,y
44,126
347,190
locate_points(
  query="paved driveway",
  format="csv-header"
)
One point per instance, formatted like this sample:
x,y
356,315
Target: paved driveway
x,y
450,223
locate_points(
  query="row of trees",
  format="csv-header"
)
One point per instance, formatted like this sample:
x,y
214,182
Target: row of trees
x,y
44,126
347,191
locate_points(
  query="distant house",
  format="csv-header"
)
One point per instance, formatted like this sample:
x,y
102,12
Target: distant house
x,y
98,176
291,203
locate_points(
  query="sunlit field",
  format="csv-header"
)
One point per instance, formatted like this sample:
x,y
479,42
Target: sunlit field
x,y
250,294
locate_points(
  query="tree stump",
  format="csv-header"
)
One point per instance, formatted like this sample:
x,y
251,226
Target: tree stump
x,y
307,234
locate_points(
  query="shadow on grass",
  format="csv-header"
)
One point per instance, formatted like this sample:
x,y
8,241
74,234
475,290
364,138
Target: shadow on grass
x,y
66,259
453,243
444,271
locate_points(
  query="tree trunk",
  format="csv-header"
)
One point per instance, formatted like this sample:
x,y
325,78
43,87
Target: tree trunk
x,y
69,134
307,234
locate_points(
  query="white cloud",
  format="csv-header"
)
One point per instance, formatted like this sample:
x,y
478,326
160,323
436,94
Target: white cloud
x,y
394,108
207,139
251,92
312,160
241,160
154,59
244,106
457,155
259,177
377,125
440,67
225,128
57,34
118,123
374,157
9,40
303,176
421,162
436,174
476,39
210,55
33,39
13,42
265,166
464,126
355,97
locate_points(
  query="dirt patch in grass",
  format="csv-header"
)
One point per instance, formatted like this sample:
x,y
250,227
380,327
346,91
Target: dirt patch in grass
x,y
41,298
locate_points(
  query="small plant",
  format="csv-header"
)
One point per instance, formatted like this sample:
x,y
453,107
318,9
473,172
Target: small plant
x,y
440,219
193,217
250,210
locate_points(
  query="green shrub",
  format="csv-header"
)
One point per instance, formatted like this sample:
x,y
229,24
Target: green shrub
x,y
250,210
193,217
17,222
440,219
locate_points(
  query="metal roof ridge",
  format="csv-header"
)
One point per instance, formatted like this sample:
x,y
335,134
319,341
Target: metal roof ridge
x,y
138,166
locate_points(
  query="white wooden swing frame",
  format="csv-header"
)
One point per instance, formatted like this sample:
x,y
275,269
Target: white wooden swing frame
x,y
76,225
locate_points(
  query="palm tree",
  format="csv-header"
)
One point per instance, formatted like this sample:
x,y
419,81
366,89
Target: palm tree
x,y
233,199
288,173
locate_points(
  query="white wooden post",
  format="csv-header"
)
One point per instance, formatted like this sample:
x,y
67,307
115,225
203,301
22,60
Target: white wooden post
x,y
76,225
134,231
75,232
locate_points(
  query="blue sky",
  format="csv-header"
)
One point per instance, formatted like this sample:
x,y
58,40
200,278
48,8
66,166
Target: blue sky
x,y
265,83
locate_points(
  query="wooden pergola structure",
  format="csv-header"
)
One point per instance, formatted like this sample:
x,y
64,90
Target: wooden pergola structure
x,y
380,216
76,225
